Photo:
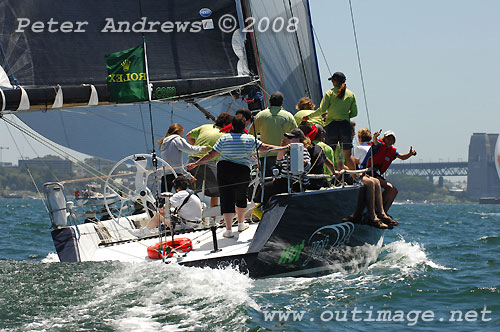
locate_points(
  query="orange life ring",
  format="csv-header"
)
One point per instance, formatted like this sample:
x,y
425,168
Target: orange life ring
x,y
159,250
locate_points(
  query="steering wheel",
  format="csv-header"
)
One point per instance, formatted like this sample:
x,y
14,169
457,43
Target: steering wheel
x,y
141,192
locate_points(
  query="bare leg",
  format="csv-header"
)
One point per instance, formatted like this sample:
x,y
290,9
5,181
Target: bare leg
x,y
379,208
390,193
350,159
370,196
228,218
240,212
154,222
214,201
360,205
157,218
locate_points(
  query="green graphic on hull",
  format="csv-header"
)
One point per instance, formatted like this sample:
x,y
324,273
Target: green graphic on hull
x,y
291,254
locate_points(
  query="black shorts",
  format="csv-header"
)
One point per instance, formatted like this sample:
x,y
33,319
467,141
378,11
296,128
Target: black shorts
x,y
339,131
167,182
233,180
208,173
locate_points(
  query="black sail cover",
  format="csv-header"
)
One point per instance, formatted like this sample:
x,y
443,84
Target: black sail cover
x,y
192,45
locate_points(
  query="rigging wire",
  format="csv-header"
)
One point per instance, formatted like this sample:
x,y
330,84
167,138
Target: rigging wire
x,y
359,64
26,165
64,130
321,49
362,80
38,156
42,140
143,128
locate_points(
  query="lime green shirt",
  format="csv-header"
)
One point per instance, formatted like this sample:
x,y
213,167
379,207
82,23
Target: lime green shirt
x,y
334,156
315,120
328,153
272,123
205,135
337,109
338,156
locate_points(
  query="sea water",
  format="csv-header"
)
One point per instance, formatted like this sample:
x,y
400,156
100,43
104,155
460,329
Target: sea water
x,y
438,271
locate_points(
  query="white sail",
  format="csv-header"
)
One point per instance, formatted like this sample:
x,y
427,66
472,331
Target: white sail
x,y
4,79
497,155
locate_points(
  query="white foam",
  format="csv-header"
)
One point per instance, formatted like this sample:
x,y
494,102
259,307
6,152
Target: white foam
x,y
406,257
52,257
155,296
196,296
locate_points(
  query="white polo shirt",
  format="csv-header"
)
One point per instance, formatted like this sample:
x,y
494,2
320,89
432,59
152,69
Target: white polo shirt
x,y
191,210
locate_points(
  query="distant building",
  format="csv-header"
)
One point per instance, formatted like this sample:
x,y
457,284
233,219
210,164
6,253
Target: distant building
x,y
5,164
482,179
58,165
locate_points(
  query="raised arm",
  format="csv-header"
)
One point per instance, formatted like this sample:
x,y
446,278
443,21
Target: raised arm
x,y
375,137
407,155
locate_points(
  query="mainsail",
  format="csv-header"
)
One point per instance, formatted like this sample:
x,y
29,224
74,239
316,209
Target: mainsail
x,y
208,54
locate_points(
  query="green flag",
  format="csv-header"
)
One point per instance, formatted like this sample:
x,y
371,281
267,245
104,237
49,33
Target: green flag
x,y
127,75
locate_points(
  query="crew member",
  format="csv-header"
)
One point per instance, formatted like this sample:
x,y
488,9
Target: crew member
x,y
340,105
207,135
271,123
305,107
172,145
384,153
233,171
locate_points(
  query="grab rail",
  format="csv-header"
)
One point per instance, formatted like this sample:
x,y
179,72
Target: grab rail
x,y
263,178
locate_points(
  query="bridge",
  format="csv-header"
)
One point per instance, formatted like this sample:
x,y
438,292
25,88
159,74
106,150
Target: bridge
x,y
430,169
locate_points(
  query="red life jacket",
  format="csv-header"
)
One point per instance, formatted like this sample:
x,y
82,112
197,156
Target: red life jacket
x,y
383,157
228,128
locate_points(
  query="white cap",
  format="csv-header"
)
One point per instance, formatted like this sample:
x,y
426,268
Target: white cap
x,y
390,133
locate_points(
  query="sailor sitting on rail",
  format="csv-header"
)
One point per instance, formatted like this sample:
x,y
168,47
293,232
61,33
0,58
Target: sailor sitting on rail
x,y
280,185
383,153
319,160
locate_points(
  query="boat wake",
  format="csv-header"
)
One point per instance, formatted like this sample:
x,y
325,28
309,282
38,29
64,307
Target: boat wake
x,y
52,257
155,297
407,257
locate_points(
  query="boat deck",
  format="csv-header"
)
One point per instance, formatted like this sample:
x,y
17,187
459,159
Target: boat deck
x,y
136,250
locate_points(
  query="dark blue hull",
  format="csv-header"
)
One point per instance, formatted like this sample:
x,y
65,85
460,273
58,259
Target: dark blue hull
x,y
303,234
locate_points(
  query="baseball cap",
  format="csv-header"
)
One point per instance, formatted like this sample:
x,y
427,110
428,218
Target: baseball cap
x,y
295,133
338,76
390,133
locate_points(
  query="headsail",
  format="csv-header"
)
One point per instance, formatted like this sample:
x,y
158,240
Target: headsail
x,y
286,56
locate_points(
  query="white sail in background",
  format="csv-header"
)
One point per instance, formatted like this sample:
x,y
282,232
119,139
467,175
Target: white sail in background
x,y
497,156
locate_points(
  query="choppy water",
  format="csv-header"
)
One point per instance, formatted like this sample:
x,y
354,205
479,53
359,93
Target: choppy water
x,y
441,258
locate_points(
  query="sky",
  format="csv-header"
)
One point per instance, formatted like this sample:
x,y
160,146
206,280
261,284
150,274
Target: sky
x,y
431,71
